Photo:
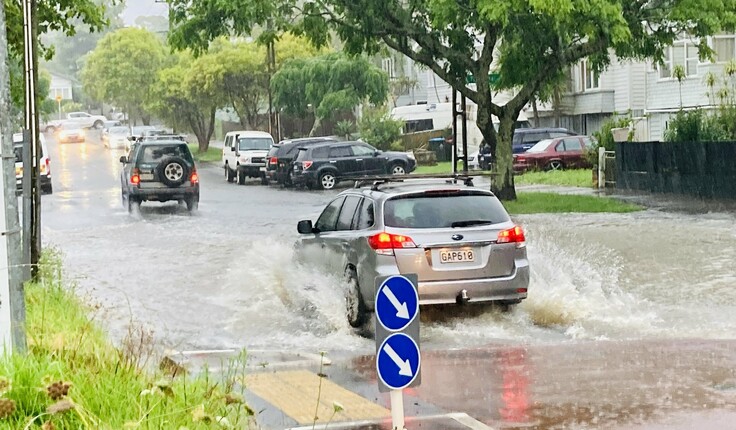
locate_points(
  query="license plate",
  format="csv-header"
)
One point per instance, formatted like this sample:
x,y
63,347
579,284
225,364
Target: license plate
x,y
457,256
146,176
262,169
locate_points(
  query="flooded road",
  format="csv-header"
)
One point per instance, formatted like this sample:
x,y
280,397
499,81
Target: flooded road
x,y
225,278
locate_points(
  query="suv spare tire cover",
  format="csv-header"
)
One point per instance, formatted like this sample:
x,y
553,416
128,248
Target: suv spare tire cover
x,y
173,166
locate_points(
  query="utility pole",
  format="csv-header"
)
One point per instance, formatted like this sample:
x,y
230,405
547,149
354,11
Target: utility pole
x,y
12,300
30,26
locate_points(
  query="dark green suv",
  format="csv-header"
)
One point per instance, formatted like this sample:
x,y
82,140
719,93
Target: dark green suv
x,y
159,171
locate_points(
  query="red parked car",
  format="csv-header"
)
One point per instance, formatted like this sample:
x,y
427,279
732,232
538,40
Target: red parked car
x,y
555,154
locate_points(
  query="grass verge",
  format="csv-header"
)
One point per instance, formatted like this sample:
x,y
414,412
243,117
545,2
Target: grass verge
x,y
73,378
532,202
209,156
565,178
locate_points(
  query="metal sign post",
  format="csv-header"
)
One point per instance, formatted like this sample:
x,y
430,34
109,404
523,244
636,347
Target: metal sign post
x,y
398,358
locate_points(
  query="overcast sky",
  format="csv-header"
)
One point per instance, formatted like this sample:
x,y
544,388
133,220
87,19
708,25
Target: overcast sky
x,y
136,8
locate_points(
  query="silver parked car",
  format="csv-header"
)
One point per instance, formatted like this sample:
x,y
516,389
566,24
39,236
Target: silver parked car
x,y
458,239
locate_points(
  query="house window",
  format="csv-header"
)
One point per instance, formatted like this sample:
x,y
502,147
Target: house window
x,y
589,77
388,66
683,54
725,48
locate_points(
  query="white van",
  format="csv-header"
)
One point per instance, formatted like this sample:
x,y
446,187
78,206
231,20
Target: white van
x,y
438,116
244,154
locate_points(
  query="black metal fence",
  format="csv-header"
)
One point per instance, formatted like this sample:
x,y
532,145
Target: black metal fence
x,y
702,169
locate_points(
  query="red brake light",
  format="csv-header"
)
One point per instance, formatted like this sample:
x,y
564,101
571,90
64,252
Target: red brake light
x,y
512,235
521,159
307,164
385,243
273,160
135,178
194,178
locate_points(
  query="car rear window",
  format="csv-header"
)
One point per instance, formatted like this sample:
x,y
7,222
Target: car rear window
x,y
155,153
443,209
274,150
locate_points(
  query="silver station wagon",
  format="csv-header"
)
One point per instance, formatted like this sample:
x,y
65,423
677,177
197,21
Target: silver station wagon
x,y
458,239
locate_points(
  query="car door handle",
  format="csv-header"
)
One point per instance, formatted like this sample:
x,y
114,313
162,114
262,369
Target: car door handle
x,y
333,161
358,159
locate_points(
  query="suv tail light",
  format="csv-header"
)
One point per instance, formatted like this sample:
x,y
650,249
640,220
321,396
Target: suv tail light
x,y
307,164
385,243
46,167
273,160
194,177
513,235
135,178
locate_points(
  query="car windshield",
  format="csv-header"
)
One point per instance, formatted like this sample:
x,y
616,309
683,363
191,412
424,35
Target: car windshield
x,y
119,130
443,210
155,153
540,146
254,143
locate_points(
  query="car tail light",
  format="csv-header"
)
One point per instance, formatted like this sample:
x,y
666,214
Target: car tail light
x,y
513,235
521,159
273,160
307,164
135,178
194,177
385,243
45,168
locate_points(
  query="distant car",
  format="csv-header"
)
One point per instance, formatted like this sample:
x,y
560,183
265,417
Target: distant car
x,y
70,133
459,240
116,137
159,171
555,154
244,155
324,165
281,156
45,168
525,138
141,130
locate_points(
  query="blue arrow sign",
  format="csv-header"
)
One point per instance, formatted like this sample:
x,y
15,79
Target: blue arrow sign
x,y
398,361
397,303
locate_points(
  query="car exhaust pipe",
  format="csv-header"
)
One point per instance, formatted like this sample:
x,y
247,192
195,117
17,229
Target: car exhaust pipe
x,y
462,297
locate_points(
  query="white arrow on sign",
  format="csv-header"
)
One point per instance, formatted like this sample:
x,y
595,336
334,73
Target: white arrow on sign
x,y
404,365
402,311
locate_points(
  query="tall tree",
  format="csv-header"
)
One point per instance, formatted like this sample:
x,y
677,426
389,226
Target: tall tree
x,y
187,95
122,69
330,84
460,38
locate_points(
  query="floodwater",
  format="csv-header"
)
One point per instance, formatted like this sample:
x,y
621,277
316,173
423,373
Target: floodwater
x,y
226,278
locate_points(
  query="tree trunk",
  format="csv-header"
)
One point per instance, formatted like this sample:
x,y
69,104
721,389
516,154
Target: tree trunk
x,y
502,184
557,106
315,127
536,112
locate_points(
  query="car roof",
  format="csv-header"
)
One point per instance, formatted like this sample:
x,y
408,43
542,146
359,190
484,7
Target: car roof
x,y
391,189
162,142
335,143
307,140
537,130
249,133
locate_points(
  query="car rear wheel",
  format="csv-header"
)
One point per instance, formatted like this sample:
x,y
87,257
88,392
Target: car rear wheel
x,y
97,125
192,204
229,174
241,177
355,309
555,165
134,206
264,179
398,169
327,181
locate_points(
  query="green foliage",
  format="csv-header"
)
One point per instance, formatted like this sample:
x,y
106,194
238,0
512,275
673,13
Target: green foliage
x,y
122,69
71,106
377,128
328,84
564,178
604,137
345,128
211,155
696,126
540,39
73,378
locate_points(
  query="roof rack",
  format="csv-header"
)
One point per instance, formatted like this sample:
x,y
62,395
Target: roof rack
x,y
377,180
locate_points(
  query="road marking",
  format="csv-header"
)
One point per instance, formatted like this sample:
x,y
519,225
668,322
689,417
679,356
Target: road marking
x,y
295,394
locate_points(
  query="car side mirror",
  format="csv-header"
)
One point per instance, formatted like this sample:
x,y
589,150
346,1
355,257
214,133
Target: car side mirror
x,y
124,159
377,153
305,227
232,149
131,138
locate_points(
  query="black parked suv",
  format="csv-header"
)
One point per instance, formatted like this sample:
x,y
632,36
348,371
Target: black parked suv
x,y
525,138
324,165
281,156
159,171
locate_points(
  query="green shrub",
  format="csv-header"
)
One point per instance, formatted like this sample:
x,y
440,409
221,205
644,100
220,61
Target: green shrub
x,y
377,128
696,126
604,137
345,128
